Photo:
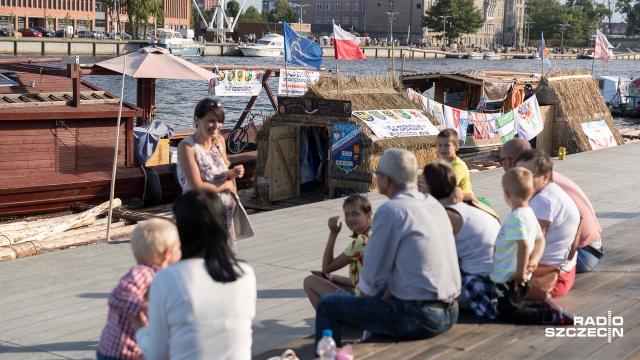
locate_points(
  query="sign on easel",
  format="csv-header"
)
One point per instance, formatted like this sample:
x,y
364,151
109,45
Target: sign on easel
x,y
296,81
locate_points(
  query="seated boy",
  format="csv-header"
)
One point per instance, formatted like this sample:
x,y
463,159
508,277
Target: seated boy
x,y
448,144
156,245
518,250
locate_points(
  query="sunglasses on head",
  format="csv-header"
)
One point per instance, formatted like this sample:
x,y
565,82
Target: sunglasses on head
x,y
204,105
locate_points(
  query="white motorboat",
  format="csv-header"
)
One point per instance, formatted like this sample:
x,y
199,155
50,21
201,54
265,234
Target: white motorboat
x,y
175,43
271,45
492,56
475,56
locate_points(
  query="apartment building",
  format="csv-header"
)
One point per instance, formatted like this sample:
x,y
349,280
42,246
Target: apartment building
x,y
350,14
81,14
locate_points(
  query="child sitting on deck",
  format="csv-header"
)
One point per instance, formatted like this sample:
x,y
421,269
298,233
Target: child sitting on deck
x,y
448,144
518,250
357,216
156,245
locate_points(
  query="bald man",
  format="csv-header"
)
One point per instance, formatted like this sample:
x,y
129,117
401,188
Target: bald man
x,y
589,244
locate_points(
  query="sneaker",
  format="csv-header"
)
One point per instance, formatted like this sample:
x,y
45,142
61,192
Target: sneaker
x,y
561,315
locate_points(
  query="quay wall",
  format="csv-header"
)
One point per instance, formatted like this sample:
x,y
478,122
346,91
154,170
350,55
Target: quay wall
x,y
45,47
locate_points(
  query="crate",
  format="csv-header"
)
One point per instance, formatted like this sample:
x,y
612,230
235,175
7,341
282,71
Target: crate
x,y
161,156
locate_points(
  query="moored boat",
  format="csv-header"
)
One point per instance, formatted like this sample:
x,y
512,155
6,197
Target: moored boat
x,y
176,44
492,56
272,45
475,55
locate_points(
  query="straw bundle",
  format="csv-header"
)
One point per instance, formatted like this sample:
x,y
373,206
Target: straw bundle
x,y
577,99
370,93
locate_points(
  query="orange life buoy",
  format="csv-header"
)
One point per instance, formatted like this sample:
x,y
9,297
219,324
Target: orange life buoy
x,y
516,98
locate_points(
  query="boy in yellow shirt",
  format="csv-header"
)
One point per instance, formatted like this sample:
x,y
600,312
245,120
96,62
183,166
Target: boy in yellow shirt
x,y
448,144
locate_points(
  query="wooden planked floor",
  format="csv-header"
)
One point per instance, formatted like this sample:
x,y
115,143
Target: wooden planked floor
x,y
615,287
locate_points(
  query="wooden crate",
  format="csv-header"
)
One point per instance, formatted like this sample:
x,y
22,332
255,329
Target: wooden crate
x,y
161,156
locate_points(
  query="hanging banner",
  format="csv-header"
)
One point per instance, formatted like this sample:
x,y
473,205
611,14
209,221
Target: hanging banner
x,y
346,145
311,106
528,119
236,83
599,134
458,120
397,122
484,124
296,81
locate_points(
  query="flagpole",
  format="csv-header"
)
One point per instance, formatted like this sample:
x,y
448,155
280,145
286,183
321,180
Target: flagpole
x,y
593,60
337,78
286,71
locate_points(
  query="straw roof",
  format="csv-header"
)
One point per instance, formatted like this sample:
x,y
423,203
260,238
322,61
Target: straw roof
x,y
577,99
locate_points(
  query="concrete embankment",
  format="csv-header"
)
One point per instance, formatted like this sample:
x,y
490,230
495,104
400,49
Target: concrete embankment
x,y
45,47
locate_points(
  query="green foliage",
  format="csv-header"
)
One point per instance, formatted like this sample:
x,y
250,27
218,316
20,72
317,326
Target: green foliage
x,y
631,12
281,12
251,15
464,18
208,15
50,20
233,8
12,19
581,17
87,23
67,20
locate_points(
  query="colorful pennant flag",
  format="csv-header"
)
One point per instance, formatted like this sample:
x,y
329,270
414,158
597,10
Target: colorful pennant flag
x,y
301,51
506,125
602,47
544,53
346,45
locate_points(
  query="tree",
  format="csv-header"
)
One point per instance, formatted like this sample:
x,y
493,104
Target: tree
x,y
12,20
281,12
251,15
87,24
631,13
233,8
545,15
464,18
49,21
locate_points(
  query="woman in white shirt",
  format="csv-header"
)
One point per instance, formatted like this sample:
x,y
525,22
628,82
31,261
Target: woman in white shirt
x,y
475,233
201,307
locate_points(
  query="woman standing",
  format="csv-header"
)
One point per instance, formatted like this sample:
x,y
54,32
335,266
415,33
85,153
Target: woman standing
x,y
201,307
203,163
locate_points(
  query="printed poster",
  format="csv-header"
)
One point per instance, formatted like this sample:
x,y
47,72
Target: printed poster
x,y
346,146
397,122
296,81
599,134
433,107
236,83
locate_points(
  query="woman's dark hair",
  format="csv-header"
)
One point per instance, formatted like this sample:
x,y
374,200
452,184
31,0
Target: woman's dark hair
x,y
202,226
440,178
359,201
208,105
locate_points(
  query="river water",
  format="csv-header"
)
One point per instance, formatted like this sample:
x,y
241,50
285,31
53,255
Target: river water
x,y
176,99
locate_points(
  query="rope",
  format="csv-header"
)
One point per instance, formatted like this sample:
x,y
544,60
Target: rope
x,y
8,238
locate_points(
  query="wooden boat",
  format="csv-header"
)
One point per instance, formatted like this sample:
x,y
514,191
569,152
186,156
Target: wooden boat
x,y
463,90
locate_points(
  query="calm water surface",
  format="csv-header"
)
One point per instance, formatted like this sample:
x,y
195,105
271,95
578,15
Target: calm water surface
x,y
176,99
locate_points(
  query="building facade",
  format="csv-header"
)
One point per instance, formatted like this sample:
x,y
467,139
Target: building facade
x,y
350,14
81,14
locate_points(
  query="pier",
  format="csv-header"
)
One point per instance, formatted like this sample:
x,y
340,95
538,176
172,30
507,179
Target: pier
x,y
54,305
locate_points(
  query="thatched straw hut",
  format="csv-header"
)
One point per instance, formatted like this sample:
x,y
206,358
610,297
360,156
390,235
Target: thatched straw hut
x,y
372,93
576,99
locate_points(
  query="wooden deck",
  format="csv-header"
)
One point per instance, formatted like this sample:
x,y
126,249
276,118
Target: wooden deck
x,y
54,306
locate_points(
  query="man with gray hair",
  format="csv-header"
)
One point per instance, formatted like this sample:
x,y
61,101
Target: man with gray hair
x,y
411,253
589,243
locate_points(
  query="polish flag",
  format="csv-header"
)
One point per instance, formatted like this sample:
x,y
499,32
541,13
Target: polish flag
x,y
602,47
346,45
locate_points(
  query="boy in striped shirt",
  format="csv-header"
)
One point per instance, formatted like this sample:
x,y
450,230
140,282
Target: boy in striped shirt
x,y
518,249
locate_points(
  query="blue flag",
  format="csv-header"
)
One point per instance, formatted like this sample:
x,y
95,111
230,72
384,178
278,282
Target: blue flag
x,y
300,51
544,53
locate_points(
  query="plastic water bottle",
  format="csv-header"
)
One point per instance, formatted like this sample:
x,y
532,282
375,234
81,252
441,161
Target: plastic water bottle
x,y
327,346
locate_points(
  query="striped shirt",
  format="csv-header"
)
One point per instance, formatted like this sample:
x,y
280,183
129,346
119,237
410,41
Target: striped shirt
x,y
521,224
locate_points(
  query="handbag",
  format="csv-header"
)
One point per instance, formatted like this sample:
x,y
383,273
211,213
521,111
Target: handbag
x,y
241,224
543,281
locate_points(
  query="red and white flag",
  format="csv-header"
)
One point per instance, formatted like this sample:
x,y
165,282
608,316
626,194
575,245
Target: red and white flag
x,y
602,47
346,45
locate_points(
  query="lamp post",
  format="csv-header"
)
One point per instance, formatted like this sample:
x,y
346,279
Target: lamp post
x,y
300,18
527,26
444,28
393,49
562,38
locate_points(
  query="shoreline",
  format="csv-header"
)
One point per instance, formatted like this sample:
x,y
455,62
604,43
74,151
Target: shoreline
x,y
52,47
